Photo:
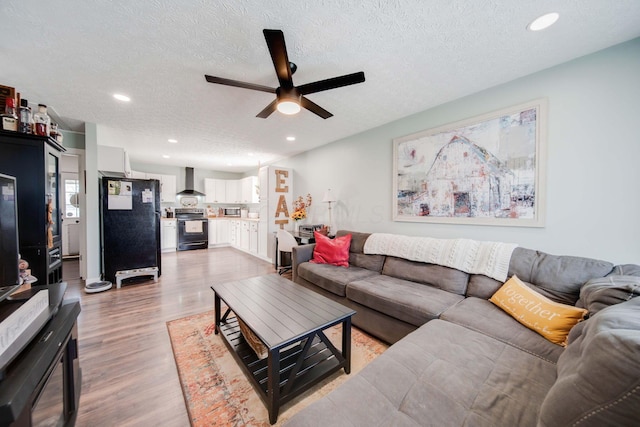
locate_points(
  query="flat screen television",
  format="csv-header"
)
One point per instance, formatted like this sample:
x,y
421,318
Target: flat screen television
x,y
9,246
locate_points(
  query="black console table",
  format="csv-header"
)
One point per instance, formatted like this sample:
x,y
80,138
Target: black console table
x,y
43,382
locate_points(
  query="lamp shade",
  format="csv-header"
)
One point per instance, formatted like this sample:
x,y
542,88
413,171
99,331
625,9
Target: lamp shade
x,y
328,197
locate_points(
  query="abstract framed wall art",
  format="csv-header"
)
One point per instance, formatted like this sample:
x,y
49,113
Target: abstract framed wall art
x,y
486,170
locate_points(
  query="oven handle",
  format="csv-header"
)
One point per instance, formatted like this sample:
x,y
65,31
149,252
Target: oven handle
x,y
182,224
193,243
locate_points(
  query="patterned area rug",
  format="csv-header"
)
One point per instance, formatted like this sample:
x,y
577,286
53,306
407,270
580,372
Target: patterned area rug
x,y
215,389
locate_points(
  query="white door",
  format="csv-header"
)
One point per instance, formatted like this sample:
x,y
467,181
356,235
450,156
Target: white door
x,y
71,214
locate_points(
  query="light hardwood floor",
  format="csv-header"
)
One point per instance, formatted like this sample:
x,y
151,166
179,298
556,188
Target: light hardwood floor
x,y
129,376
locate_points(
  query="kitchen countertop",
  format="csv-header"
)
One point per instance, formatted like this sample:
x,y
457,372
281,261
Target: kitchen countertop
x,y
219,217
234,217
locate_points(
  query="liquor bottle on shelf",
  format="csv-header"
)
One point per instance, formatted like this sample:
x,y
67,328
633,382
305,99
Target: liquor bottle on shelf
x,y
55,132
42,121
26,119
10,118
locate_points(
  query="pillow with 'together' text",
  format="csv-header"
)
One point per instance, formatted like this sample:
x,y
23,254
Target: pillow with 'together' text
x,y
550,319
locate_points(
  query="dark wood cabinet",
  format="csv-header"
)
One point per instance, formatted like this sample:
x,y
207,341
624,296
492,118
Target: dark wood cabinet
x,y
42,386
35,162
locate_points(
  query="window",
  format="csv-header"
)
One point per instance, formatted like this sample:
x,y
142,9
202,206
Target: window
x,y
72,203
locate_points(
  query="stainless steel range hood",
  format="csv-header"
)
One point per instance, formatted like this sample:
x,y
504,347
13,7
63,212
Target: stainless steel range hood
x,y
188,184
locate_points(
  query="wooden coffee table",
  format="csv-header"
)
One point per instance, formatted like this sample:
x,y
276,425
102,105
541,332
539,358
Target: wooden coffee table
x,y
289,319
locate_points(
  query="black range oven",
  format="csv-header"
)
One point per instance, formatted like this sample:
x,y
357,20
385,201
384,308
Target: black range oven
x,y
193,231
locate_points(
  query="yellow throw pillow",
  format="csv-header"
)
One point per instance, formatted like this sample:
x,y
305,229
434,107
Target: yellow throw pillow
x,y
550,319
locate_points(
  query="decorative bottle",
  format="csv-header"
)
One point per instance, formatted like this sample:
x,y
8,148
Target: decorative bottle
x,y
42,121
10,118
26,119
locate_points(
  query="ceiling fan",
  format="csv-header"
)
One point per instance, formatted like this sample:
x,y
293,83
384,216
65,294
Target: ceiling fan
x,y
289,98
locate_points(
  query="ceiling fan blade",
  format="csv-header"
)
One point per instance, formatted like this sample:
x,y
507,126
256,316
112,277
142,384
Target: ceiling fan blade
x,y
332,83
278,51
314,108
229,82
268,109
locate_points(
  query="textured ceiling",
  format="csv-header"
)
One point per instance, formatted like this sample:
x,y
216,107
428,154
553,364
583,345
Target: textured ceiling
x,y
73,55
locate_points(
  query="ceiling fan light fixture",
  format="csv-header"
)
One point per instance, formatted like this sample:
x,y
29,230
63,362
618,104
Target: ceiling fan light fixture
x,y
288,107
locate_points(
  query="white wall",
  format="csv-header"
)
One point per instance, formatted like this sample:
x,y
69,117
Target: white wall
x,y
91,259
593,162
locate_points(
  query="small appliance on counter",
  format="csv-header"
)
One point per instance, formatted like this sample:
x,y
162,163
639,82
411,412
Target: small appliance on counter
x,y
307,230
234,211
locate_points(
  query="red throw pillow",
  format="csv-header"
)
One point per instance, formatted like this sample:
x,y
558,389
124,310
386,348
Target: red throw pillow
x,y
331,251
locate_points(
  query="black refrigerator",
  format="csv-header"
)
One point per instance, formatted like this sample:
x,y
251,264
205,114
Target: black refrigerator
x,y
130,225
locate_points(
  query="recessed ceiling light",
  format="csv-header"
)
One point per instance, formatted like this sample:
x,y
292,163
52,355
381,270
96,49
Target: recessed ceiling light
x,y
544,21
121,97
229,164
291,138
250,154
173,141
166,156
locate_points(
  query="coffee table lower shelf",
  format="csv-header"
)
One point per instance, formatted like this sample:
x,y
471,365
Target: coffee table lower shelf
x,y
319,361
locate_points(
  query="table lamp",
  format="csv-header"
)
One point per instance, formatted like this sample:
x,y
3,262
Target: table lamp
x,y
329,198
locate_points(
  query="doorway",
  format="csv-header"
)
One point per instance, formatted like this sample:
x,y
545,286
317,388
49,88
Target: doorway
x,y
71,195
71,215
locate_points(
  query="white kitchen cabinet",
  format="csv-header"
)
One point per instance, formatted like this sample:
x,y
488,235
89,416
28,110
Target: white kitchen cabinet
x,y
213,232
233,191
168,186
215,190
253,237
244,235
209,190
113,161
234,233
168,235
221,190
222,231
250,189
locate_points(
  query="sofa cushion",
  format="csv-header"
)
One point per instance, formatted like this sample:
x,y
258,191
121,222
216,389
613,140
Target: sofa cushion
x,y
408,301
550,319
370,262
442,374
445,278
481,286
331,251
356,255
599,372
557,277
603,292
480,315
331,278
626,270
357,240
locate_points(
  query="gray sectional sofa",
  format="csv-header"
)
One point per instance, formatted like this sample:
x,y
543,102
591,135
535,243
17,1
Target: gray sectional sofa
x,y
459,360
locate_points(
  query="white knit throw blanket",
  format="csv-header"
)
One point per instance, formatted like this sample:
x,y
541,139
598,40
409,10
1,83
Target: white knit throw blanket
x,y
471,256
